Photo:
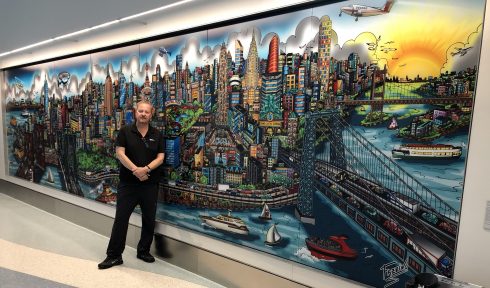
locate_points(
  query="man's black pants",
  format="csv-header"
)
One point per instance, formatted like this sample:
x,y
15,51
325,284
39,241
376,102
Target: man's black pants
x,y
128,196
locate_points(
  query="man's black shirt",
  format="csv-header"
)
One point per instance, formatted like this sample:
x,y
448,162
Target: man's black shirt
x,y
141,151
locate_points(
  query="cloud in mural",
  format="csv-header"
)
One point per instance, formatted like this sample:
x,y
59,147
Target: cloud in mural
x,y
128,67
191,53
73,86
359,46
35,90
460,56
305,36
100,72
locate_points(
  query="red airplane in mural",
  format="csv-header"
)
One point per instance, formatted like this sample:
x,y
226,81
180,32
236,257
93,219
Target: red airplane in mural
x,y
365,11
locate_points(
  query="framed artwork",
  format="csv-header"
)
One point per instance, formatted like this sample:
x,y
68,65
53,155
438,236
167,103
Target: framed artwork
x,y
334,135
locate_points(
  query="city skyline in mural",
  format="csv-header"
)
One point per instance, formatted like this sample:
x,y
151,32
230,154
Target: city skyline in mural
x,y
338,142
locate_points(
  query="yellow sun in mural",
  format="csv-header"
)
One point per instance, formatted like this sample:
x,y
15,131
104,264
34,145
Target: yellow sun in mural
x,y
419,45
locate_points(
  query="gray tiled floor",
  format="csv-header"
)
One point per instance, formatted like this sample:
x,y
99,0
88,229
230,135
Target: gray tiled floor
x,y
28,226
14,279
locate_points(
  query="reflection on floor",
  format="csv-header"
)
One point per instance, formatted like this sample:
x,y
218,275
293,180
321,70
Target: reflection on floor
x,y
41,250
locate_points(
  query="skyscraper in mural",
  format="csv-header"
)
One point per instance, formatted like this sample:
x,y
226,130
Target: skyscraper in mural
x,y
122,88
238,56
324,45
46,95
270,92
251,85
223,102
146,90
131,93
108,93
157,95
178,76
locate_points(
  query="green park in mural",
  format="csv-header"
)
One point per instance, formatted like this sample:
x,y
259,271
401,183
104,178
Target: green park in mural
x,y
338,142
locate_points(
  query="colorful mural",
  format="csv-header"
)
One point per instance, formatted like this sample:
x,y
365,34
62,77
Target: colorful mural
x,y
334,136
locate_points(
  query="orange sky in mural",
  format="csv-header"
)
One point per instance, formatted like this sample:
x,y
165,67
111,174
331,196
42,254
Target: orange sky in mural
x,y
422,41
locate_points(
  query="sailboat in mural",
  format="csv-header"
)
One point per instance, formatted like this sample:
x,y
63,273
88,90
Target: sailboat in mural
x,y
50,176
273,237
266,213
393,125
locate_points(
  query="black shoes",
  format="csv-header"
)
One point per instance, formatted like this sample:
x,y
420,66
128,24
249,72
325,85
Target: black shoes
x,y
146,257
109,262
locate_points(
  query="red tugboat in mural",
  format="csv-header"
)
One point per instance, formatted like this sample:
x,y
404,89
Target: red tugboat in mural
x,y
331,248
107,196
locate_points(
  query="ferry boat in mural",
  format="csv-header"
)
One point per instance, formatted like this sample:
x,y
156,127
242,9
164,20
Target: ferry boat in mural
x,y
331,248
273,237
226,222
266,213
426,151
25,113
107,196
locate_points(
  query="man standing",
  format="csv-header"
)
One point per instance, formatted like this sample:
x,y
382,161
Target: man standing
x,y
140,149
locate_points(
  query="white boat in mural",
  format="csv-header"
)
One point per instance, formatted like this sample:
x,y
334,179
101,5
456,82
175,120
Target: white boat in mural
x,y
226,222
266,213
25,113
50,176
273,237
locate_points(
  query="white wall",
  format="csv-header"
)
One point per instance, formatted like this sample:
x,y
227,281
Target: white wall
x,y
473,253
473,250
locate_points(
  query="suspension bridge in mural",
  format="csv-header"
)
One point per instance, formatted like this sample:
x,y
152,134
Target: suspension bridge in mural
x,y
411,221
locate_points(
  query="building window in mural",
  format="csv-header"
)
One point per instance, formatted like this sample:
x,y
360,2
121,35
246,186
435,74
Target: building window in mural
x,y
335,141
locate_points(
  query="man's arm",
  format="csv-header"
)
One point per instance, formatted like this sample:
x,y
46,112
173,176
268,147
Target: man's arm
x,y
156,162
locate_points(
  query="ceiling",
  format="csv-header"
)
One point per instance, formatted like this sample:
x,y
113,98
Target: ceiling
x,y
24,22
27,22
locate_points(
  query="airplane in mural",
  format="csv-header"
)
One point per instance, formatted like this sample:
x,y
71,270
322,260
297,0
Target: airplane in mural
x,y
461,51
366,11
162,51
63,78
18,83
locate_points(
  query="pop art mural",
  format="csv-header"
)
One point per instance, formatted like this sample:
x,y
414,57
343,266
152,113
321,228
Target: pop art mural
x,y
333,136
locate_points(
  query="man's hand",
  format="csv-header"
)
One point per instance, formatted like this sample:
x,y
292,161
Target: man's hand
x,y
141,173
